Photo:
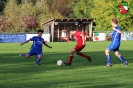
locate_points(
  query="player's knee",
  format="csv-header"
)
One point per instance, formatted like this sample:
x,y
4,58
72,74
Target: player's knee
x,y
27,56
40,56
71,53
117,54
107,52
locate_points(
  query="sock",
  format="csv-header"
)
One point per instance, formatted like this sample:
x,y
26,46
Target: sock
x,y
122,59
38,60
108,59
70,59
23,55
82,55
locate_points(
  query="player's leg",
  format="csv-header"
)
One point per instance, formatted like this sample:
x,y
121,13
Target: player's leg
x,y
83,55
121,58
28,54
39,57
69,62
116,51
108,57
78,49
24,55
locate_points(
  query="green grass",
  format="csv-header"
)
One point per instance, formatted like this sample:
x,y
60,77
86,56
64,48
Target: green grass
x,y
19,72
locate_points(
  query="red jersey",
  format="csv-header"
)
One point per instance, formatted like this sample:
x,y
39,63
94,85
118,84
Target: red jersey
x,y
78,38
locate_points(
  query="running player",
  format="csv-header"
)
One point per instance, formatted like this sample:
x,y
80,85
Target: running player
x,y
79,46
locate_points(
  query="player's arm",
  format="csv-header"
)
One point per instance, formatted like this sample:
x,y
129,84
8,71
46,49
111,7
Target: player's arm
x,y
83,39
118,30
24,42
31,39
47,45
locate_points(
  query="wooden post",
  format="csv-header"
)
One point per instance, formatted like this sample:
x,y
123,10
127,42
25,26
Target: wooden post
x,y
52,31
90,28
58,32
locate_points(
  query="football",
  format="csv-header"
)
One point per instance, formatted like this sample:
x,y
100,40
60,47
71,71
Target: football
x,y
59,62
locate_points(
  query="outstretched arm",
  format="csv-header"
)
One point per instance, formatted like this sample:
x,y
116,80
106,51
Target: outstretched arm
x,y
47,45
24,42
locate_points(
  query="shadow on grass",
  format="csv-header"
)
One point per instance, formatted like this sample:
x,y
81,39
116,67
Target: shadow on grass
x,y
15,68
49,60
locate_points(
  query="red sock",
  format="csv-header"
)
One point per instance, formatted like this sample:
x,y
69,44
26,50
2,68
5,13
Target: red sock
x,y
70,59
83,55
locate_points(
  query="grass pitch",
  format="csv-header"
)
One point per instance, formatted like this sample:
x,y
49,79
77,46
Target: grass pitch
x,y
19,72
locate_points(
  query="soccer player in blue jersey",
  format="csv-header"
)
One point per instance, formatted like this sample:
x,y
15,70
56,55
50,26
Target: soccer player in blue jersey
x,y
115,44
36,48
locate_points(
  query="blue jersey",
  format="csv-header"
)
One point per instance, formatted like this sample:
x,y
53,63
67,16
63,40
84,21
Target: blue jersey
x,y
116,37
37,43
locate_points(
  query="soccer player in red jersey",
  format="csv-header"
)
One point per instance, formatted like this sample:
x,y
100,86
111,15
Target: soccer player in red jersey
x,y
79,46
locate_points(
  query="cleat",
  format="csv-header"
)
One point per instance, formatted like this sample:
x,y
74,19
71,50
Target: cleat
x,y
126,64
89,59
108,65
66,63
20,55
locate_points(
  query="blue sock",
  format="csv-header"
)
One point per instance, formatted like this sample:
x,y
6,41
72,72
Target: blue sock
x,y
23,55
38,60
122,59
108,59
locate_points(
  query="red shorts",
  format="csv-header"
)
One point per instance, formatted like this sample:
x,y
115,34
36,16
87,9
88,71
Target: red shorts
x,y
79,47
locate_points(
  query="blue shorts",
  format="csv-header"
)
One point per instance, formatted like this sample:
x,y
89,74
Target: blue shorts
x,y
35,52
112,47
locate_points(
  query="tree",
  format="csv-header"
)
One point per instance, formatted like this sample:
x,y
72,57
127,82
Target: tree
x,y
81,8
61,6
104,10
2,5
44,12
26,17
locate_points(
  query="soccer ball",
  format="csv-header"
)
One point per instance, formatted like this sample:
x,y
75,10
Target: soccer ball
x,y
59,62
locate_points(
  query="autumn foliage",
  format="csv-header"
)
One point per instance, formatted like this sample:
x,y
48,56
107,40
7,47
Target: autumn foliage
x,y
28,15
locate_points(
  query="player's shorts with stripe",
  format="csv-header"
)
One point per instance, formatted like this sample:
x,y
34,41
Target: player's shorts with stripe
x,y
35,52
113,47
79,47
